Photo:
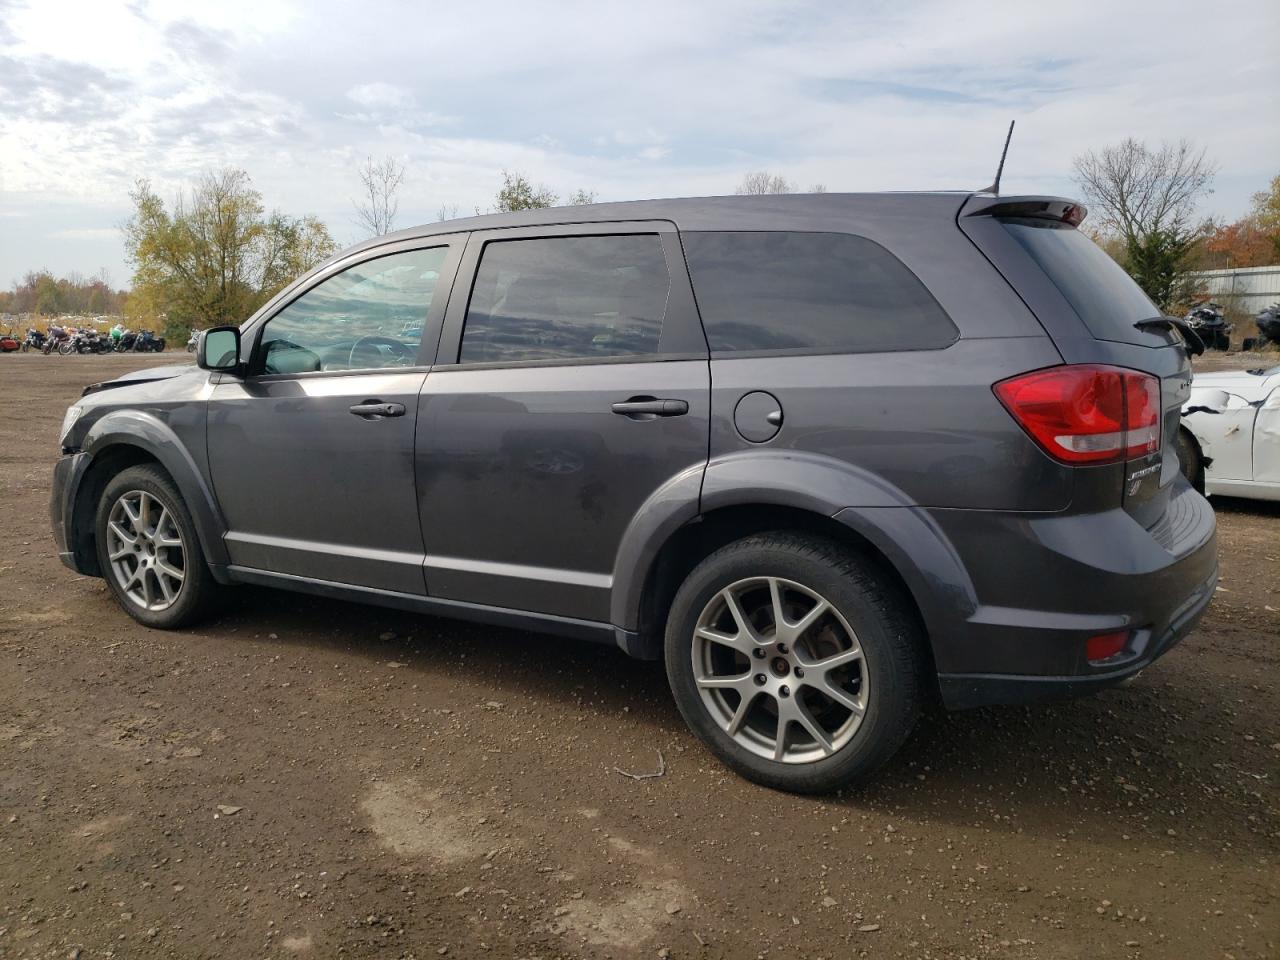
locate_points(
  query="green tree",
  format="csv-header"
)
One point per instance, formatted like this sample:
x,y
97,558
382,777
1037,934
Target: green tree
x,y
1147,198
217,255
518,193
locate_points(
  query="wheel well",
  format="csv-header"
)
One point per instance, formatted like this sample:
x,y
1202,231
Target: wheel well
x,y
105,465
696,540
1202,461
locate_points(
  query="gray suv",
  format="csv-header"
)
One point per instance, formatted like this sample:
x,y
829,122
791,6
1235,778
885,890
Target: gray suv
x,y
830,456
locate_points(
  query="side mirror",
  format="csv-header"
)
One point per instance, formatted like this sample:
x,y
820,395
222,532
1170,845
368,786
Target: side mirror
x,y
219,349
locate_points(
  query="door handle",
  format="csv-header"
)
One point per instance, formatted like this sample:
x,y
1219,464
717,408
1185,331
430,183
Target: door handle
x,y
649,408
377,409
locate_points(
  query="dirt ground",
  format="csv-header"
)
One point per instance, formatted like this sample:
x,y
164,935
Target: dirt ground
x,y
304,778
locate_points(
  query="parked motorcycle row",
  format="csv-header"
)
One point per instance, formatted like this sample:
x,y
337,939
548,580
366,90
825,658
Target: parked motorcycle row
x,y
69,340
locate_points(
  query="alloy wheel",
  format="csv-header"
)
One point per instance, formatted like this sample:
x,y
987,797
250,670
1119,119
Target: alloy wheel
x,y
780,670
145,548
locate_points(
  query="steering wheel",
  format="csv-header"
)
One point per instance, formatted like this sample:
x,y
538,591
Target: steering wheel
x,y
400,351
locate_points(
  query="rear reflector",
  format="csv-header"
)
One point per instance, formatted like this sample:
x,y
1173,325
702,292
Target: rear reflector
x,y
1086,413
1105,646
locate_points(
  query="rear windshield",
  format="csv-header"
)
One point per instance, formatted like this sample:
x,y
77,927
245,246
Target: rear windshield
x,y
1099,291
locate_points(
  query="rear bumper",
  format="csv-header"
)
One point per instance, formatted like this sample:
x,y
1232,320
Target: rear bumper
x,y
1044,585
961,691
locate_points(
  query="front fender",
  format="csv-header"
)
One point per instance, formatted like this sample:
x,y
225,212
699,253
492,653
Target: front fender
x,y
137,428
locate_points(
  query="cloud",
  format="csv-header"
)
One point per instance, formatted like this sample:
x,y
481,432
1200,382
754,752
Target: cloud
x,y
86,233
380,95
666,98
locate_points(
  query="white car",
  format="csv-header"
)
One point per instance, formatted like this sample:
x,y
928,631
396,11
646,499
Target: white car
x,y
1230,437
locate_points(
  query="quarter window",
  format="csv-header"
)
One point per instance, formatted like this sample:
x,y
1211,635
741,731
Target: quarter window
x,y
367,317
809,293
567,298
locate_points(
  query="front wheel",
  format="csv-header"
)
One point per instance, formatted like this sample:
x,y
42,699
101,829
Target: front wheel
x,y
148,550
796,661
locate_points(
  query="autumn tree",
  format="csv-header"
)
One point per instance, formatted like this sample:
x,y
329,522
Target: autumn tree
x,y
1148,199
215,255
380,182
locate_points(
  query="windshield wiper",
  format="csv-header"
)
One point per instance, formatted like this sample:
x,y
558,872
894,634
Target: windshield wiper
x,y
1195,346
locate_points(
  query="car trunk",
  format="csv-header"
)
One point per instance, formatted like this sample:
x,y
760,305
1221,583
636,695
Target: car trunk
x,y
1091,308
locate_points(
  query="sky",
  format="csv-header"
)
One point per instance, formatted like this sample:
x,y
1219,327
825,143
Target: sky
x,y
630,100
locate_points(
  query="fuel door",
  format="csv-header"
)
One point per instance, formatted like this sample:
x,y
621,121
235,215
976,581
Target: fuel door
x,y
758,416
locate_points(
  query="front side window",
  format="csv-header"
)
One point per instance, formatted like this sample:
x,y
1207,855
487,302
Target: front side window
x,y
567,298
809,293
367,317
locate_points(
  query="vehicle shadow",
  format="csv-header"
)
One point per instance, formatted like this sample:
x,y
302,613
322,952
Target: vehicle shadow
x,y
1100,768
1244,507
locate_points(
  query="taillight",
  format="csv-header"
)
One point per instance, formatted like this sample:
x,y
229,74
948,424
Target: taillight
x,y
1086,413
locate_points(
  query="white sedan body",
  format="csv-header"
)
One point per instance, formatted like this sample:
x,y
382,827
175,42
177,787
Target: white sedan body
x,y
1235,418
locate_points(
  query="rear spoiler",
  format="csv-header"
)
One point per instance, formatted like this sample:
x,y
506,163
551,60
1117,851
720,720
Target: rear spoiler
x,y
1039,208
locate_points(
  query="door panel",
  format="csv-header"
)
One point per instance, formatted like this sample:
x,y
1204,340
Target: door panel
x,y
312,490
527,478
1266,440
311,453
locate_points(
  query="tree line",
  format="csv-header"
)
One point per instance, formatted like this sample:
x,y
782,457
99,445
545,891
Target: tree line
x,y
215,253
40,292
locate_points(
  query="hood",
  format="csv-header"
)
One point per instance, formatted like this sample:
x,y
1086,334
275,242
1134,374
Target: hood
x,y
1243,382
146,375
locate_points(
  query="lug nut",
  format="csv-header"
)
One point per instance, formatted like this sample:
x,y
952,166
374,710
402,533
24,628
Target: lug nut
x,y
758,652
760,679
782,648
799,671
784,691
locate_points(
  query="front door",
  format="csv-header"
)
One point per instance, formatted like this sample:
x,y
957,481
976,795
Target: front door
x,y
311,453
572,386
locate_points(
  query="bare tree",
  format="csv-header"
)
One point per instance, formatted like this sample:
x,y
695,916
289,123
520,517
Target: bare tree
x,y
447,211
582,197
1148,198
1138,191
762,182
380,180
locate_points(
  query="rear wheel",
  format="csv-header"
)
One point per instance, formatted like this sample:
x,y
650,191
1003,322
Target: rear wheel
x,y
148,550
794,661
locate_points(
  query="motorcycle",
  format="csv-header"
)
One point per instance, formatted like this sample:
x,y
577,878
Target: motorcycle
x,y
85,341
191,344
125,342
148,342
1268,321
8,342
1207,321
35,340
57,336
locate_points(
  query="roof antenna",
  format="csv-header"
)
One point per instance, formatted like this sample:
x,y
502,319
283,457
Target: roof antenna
x,y
995,187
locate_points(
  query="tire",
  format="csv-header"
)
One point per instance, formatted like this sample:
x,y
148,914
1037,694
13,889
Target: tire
x,y
148,488
863,607
67,349
160,345
1190,460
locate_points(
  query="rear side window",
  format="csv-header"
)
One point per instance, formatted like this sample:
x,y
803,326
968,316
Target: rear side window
x,y
1104,297
567,298
809,293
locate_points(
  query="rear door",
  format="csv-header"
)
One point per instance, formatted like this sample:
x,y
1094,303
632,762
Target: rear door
x,y
1091,308
571,387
